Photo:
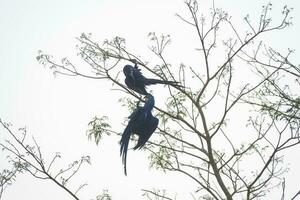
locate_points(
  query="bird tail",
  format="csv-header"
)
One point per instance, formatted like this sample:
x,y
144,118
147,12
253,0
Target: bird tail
x,y
124,147
157,81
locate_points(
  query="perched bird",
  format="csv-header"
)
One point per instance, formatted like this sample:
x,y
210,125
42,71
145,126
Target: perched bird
x,y
141,123
137,82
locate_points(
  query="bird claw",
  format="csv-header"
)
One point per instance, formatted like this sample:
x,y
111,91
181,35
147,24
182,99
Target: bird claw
x,y
146,97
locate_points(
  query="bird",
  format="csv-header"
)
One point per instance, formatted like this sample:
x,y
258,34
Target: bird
x,y
137,82
142,123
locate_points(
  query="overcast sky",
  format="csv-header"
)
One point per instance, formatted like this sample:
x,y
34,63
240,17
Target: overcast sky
x,y
56,110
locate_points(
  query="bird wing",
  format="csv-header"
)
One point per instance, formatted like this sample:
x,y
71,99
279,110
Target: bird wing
x,y
139,81
138,75
146,131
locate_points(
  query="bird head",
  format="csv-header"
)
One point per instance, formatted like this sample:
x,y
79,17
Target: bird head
x,y
128,70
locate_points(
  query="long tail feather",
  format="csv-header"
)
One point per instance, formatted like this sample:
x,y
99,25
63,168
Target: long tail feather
x,y
124,146
150,81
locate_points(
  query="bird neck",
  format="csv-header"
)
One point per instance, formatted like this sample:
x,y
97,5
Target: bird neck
x,y
149,104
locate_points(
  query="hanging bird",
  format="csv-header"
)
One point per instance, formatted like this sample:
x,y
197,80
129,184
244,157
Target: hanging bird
x,y
137,82
141,123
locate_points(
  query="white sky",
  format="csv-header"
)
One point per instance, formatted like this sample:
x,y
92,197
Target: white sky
x,y
56,110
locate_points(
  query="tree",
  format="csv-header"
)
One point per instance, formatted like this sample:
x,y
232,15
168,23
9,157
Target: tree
x,y
200,134
7,176
27,157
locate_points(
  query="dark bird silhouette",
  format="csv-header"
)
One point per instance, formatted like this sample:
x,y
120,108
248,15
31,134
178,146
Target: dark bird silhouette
x,y
141,123
137,82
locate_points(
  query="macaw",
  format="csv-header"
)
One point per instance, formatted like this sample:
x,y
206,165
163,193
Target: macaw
x,y
137,82
142,123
